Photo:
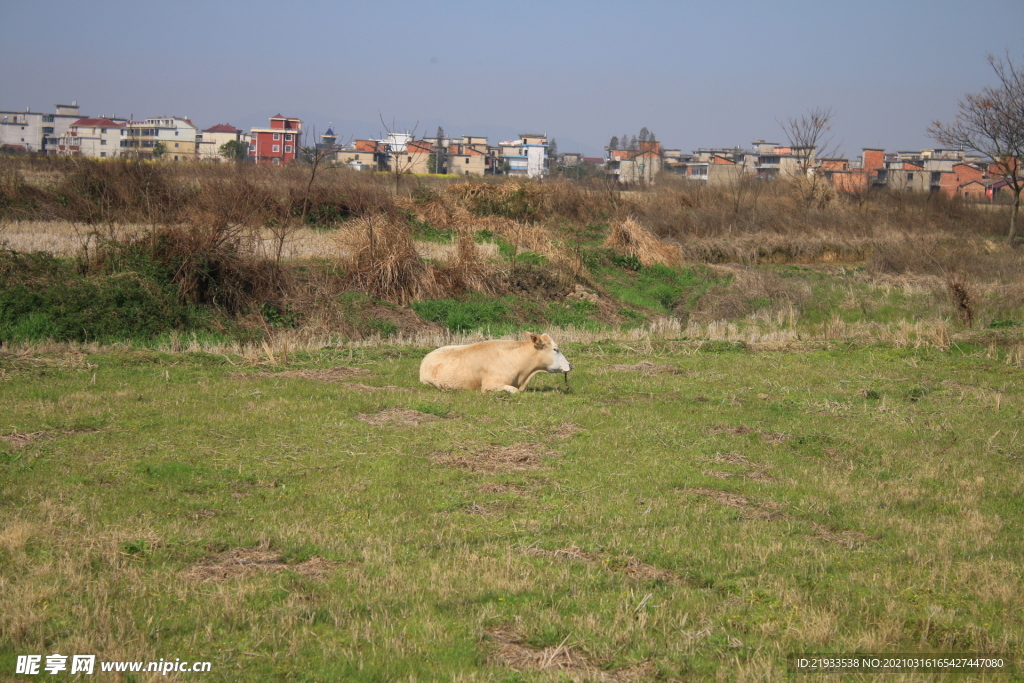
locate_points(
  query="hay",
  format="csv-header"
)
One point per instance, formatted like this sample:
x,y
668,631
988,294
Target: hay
x,y
633,239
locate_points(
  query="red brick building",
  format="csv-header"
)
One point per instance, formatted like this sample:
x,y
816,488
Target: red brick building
x,y
279,144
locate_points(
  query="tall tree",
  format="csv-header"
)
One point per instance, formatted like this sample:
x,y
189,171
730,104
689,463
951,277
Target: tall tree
x,y
644,134
614,143
991,122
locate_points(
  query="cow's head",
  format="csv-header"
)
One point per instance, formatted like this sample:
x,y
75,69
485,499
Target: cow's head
x,y
553,358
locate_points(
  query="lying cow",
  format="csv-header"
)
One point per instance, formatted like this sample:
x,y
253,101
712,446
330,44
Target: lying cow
x,y
492,365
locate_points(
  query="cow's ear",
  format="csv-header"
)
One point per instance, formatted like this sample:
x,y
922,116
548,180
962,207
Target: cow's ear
x,y
538,342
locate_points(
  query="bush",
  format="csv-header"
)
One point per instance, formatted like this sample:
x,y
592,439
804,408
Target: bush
x,y
59,303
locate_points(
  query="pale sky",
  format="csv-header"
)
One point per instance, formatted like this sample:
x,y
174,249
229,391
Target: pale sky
x,y
696,73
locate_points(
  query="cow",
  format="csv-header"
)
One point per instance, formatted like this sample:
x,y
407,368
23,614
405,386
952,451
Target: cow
x,y
495,365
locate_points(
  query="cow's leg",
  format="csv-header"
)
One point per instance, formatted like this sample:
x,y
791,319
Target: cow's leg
x,y
499,387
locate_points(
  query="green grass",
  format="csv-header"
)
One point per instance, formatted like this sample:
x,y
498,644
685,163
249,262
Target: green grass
x,y
697,522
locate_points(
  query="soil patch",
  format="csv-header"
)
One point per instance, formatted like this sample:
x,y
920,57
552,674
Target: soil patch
x,y
646,367
397,416
249,561
510,649
518,456
738,430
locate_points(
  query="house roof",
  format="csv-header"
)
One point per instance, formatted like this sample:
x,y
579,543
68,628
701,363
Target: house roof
x,y
105,123
222,128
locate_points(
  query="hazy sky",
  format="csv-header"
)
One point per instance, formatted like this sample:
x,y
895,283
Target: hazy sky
x,y
696,73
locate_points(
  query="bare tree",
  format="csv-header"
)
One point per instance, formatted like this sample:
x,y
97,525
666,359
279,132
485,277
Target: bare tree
x,y
810,137
991,122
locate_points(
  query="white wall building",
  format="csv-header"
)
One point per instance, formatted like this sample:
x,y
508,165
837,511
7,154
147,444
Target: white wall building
x,y
32,131
94,138
213,138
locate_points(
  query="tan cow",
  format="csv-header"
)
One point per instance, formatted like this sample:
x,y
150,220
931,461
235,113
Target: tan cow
x,y
495,365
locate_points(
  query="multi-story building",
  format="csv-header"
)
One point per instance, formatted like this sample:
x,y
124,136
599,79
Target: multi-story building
x,y
278,144
168,138
96,138
210,141
31,131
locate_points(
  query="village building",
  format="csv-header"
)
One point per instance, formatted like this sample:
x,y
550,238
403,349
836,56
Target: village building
x,y
278,144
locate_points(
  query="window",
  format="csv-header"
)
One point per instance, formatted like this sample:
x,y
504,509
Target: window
x,y
287,149
103,155
103,142
103,130
277,148
277,136
288,138
48,118
467,160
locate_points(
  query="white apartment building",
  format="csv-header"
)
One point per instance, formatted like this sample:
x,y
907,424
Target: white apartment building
x,y
32,131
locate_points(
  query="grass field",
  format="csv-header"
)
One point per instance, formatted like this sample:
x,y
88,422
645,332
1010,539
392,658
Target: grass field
x,y
677,511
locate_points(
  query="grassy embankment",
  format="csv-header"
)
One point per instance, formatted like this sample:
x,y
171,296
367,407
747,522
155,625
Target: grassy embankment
x,y
684,510
219,255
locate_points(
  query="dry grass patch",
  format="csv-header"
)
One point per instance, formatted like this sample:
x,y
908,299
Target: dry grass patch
x,y
633,239
337,374
845,537
397,416
511,650
20,439
248,561
748,509
366,387
646,368
632,567
518,456
566,430
738,430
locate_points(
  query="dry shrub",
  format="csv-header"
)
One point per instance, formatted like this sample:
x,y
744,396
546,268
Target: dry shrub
x,y
384,262
633,239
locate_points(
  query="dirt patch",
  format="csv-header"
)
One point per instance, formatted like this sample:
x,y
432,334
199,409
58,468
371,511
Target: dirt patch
x,y
518,456
567,429
748,509
646,367
510,649
338,374
397,416
249,561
